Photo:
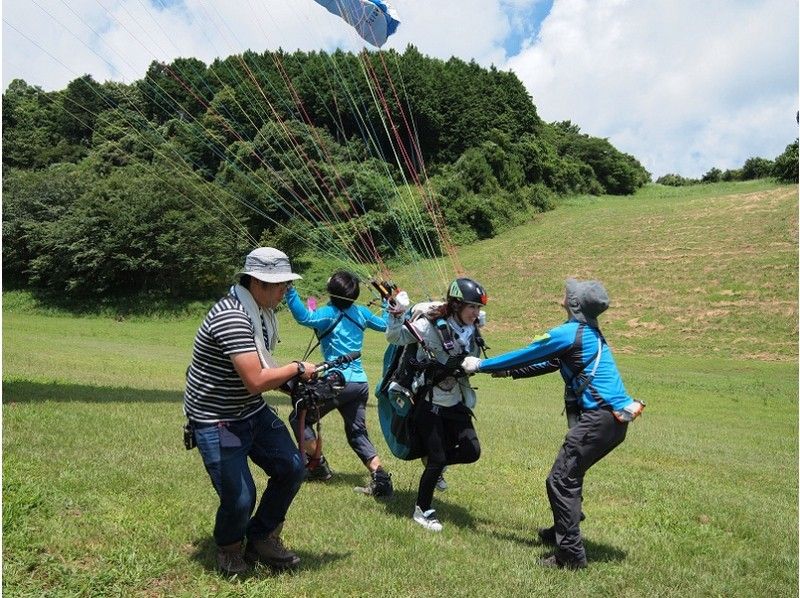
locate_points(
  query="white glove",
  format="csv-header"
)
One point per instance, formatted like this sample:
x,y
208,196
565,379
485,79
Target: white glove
x,y
400,303
471,364
402,300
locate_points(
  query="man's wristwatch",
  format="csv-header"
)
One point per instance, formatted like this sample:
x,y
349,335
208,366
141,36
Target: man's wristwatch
x,y
301,369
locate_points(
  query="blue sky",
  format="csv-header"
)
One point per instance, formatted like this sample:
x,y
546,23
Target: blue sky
x,y
525,25
681,85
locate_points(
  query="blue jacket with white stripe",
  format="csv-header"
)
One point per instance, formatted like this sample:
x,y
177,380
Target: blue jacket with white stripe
x,y
572,349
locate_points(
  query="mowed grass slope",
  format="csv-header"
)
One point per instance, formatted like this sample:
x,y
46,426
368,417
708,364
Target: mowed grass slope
x,y
99,497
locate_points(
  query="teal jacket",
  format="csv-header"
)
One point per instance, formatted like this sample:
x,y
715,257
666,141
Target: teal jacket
x,y
345,330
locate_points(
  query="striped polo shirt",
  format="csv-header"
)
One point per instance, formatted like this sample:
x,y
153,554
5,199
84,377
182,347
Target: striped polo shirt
x,y
214,391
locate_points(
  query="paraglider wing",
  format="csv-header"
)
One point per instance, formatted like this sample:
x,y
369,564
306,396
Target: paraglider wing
x,y
374,20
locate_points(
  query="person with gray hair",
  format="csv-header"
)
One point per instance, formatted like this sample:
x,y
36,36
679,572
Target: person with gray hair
x,y
599,408
229,421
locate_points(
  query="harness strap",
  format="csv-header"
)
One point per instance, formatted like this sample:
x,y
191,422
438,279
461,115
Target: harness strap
x,y
330,329
587,380
323,335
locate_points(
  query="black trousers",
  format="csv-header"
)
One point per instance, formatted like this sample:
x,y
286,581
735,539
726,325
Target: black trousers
x,y
595,435
351,404
448,437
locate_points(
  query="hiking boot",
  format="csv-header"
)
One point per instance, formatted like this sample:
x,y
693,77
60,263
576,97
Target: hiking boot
x,y
547,535
321,473
427,519
380,486
271,551
553,562
441,483
230,560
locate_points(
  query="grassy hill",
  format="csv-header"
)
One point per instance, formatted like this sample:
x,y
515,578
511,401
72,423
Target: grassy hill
x,y
99,497
690,271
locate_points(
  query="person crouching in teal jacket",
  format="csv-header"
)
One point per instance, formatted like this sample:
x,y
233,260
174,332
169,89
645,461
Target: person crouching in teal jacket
x,y
595,397
340,327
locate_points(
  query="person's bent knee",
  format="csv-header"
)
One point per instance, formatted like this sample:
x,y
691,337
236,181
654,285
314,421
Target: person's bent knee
x,y
298,467
289,466
470,453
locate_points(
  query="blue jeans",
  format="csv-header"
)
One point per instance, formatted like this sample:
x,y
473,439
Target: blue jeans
x,y
225,448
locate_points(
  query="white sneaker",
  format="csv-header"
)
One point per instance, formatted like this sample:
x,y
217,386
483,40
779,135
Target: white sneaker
x,y
427,519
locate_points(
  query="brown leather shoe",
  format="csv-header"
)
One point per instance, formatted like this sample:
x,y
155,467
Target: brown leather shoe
x,y
230,560
271,551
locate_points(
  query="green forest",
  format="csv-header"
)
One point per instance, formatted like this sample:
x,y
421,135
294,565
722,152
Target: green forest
x,y
160,186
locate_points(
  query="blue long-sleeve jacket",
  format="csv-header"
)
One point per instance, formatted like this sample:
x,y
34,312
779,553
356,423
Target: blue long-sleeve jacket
x,y
568,348
346,337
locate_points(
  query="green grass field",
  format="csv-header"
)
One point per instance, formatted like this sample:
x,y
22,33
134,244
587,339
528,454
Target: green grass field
x,y
101,499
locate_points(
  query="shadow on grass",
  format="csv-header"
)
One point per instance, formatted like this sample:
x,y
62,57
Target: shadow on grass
x,y
25,391
350,480
205,553
595,551
402,505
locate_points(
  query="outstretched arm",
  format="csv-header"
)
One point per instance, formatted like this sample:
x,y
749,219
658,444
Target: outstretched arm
x,y
536,369
302,315
543,349
398,334
375,321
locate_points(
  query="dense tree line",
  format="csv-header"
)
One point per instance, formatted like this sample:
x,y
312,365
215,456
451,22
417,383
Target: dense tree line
x,y
784,168
114,189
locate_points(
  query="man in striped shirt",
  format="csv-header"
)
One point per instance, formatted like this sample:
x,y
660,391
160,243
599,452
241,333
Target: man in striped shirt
x,y
231,366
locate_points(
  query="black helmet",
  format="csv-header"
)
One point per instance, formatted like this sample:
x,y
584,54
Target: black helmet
x,y
467,290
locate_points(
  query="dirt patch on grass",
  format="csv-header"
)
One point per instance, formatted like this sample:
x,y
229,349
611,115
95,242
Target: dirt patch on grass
x,y
637,323
166,585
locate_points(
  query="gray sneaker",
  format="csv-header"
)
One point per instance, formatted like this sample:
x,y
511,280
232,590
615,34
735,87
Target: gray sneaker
x,y
427,519
441,483
230,560
271,551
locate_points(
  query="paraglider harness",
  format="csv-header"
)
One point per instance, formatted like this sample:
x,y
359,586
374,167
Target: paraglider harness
x,y
309,397
430,370
397,401
572,396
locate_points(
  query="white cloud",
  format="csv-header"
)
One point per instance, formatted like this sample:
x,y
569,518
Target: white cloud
x,y
468,29
118,39
681,85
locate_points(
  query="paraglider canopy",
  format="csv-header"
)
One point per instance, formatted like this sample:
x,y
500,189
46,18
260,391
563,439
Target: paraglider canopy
x,y
374,20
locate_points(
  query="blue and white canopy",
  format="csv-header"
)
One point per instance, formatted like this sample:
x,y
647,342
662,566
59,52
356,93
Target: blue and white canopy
x,y
374,20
